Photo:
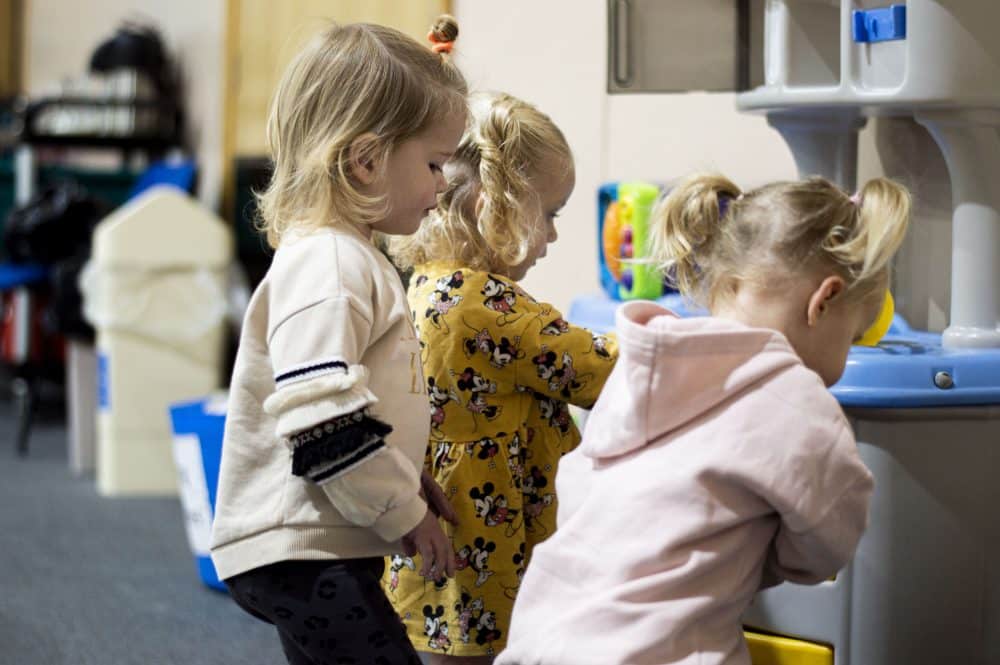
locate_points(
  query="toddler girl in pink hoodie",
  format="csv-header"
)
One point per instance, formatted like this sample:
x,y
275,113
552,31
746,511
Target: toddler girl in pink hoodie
x,y
715,461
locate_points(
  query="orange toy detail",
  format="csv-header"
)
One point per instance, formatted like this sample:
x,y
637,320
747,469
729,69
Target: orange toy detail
x,y
612,239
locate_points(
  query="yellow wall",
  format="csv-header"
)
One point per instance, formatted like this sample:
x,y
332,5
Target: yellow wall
x,y
11,33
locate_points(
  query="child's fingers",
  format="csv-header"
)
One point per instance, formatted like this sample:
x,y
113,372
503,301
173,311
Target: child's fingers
x,y
437,499
427,555
409,548
431,564
441,552
435,550
442,505
433,568
434,561
450,564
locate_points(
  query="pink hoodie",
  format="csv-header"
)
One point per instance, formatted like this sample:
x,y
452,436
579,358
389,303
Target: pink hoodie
x,y
714,463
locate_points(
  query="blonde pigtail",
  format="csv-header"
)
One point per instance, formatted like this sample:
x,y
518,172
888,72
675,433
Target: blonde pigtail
x,y
685,225
504,185
881,215
487,217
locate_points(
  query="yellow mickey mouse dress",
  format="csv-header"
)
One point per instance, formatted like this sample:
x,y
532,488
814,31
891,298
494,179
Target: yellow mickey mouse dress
x,y
500,370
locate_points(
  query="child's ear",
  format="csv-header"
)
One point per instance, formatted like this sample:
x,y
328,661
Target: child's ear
x,y
821,299
362,158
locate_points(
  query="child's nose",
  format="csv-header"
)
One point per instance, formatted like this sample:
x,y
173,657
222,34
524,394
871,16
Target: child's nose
x,y
553,235
440,184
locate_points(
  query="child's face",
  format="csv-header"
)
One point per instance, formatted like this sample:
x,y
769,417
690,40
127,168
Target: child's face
x,y
412,176
553,187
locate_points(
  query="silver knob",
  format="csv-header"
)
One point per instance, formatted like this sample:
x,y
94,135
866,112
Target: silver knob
x,y
944,381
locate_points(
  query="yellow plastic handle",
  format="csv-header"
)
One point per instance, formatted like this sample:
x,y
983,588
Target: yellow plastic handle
x,y
878,329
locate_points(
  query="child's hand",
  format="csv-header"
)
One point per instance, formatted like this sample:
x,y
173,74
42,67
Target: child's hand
x,y
436,500
428,540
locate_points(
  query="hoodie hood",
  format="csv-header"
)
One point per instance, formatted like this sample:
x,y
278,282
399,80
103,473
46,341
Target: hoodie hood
x,y
672,370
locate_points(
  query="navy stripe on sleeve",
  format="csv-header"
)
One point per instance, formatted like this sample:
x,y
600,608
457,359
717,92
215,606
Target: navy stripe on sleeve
x,y
311,369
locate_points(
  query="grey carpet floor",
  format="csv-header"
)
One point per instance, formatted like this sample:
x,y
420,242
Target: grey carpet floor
x,y
88,580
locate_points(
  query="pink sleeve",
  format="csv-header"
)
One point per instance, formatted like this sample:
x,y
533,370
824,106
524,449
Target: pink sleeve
x,y
820,528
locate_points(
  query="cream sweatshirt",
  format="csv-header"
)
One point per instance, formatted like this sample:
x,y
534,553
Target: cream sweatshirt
x,y
327,332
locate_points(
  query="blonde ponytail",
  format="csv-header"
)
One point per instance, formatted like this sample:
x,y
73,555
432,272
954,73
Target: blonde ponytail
x,y
685,226
881,217
485,219
503,179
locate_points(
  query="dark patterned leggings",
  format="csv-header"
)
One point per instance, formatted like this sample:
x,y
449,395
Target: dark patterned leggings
x,y
326,612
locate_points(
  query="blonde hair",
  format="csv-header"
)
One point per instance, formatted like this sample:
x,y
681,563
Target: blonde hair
x,y
483,219
350,81
707,235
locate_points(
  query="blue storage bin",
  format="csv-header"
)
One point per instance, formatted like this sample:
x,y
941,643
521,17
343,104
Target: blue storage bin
x,y
198,426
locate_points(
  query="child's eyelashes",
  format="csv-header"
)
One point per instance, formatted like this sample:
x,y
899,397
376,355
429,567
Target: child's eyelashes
x,y
434,167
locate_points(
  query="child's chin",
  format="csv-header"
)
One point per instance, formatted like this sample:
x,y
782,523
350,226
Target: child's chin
x,y
407,229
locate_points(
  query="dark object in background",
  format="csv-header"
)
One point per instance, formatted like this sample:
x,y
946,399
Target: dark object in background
x,y
54,225
138,47
55,229
252,251
65,309
140,109
253,174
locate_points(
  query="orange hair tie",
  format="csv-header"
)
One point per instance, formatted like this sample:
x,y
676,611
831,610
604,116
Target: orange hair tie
x,y
438,45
